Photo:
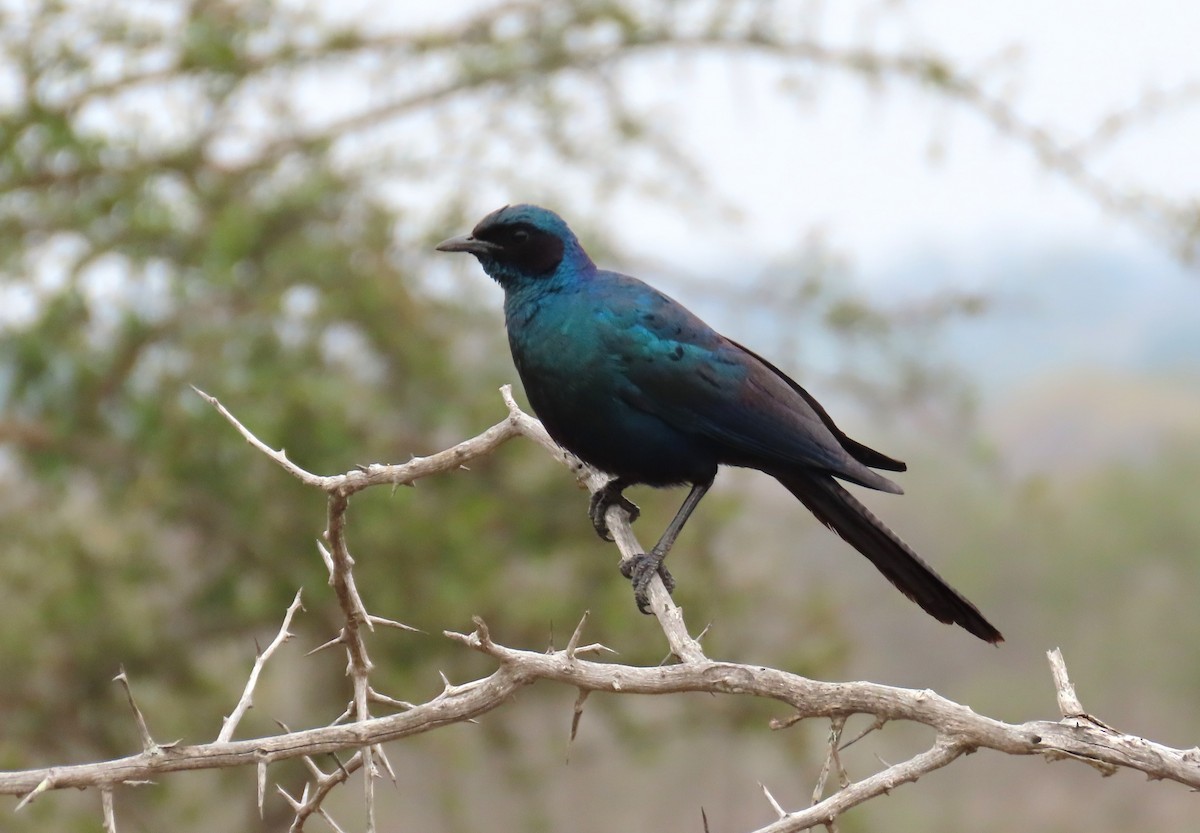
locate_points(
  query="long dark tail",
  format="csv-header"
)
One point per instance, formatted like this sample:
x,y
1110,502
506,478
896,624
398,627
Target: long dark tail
x,y
841,512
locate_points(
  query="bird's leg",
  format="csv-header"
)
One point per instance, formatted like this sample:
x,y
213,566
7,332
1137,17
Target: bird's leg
x,y
642,568
610,495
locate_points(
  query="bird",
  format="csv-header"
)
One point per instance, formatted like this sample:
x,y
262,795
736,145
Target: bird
x,y
633,383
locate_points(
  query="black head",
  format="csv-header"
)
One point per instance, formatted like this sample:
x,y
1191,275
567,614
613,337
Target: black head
x,y
519,242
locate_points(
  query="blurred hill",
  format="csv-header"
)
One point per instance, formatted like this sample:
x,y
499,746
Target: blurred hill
x,y
1078,419
1060,310
1083,357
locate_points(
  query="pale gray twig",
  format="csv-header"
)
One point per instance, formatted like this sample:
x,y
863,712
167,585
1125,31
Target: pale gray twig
x,y
229,725
106,805
960,729
148,744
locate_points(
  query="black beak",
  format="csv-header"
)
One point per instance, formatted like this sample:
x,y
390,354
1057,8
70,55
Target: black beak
x,y
468,244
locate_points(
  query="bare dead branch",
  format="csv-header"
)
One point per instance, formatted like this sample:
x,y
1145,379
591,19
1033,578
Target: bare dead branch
x,y
376,697
573,642
106,805
577,713
391,623
832,759
279,456
341,487
943,752
381,756
779,811
262,785
229,725
1068,702
959,730
311,802
875,726
148,744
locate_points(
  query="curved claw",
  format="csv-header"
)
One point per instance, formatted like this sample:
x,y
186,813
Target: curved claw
x,y
610,495
640,570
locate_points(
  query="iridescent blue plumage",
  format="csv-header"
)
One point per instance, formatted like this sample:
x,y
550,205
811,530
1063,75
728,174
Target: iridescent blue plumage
x,y
636,385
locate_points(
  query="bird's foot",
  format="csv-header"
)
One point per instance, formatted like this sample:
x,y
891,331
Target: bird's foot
x,y
610,495
640,570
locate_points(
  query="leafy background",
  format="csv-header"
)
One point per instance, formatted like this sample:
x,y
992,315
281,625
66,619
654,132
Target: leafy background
x,y
244,197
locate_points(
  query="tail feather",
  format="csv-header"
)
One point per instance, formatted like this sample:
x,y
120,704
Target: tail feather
x,y
840,511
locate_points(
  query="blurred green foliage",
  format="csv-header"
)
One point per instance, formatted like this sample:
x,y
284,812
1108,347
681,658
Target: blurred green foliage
x,y
168,218
180,206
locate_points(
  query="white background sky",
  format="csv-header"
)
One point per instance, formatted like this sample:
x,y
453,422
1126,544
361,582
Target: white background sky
x,y
901,176
857,163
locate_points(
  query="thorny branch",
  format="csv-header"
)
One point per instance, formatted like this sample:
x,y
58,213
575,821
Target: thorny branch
x,y
959,730
229,725
336,554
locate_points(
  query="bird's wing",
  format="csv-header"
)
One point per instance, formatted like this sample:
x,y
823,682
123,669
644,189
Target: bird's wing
x,y
862,453
679,369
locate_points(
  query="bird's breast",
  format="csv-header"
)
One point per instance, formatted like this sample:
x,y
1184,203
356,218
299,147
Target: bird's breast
x,y
577,385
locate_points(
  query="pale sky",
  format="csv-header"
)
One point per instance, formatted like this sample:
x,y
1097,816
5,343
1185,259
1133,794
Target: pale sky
x,y
895,174
859,164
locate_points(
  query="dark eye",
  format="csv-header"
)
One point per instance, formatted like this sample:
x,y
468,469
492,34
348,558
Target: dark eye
x,y
520,235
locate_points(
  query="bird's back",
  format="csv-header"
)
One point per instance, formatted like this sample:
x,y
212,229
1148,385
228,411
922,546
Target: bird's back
x,y
636,384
